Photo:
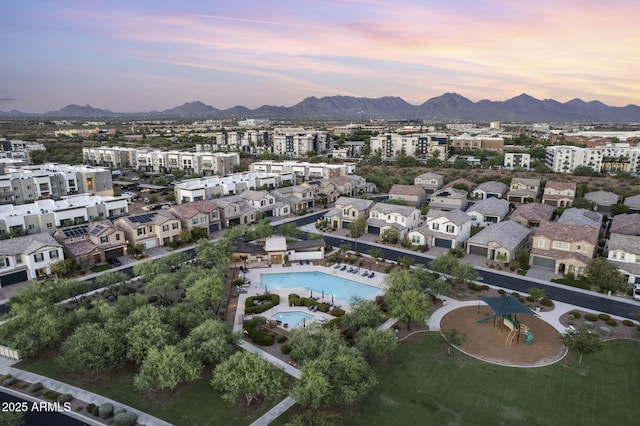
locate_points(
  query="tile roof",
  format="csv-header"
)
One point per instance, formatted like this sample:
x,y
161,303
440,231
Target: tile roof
x,y
27,244
398,189
626,243
561,186
534,212
576,216
491,207
602,198
626,224
568,233
462,181
387,208
507,234
457,217
492,187
633,202
189,210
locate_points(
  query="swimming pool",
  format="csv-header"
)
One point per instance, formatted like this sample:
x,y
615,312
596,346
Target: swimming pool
x,y
293,318
338,287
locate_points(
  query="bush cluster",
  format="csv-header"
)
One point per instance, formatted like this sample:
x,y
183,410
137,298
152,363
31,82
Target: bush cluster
x,y
546,302
575,314
35,387
259,308
280,338
105,410
285,349
51,395
604,317
591,317
269,301
612,322
334,322
628,323
474,287
125,419
337,312
257,334
295,300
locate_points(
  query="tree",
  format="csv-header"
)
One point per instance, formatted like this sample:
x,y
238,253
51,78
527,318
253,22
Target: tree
x,y
146,330
289,230
464,274
210,342
198,233
582,341
205,287
445,263
619,208
406,261
522,257
605,275
246,374
307,343
364,313
344,248
536,294
62,268
339,376
15,418
94,347
405,299
263,229
185,236
452,337
376,253
391,235
374,344
583,203
584,171
357,227
166,367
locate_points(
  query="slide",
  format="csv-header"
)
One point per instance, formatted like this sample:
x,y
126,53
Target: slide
x,y
483,319
528,335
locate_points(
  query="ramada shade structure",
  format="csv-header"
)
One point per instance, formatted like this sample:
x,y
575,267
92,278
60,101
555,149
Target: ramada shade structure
x,y
502,306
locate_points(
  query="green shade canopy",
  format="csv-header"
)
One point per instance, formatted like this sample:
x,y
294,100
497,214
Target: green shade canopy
x,y
507,306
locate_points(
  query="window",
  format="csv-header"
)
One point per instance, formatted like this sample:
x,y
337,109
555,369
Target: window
x,y
140,231
49,225
450,229
4,262
194,221
18,259
435,226
117,237
203,219
38,257
165,228
174,226
53,254
540,242
104,239
561,245
31,227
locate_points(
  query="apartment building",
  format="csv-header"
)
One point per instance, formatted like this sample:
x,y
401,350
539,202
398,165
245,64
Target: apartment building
x,y
304,170
296,143
424,145
516,160
608,158
467,142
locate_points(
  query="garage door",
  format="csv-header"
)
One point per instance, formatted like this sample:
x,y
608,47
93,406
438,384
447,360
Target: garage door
x,y
214,227
544,262
15,278
374,230
345,225
110,254
441,242
151,243
482,251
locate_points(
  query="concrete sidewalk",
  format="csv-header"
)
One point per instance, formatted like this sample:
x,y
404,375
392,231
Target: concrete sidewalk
x,y
78,393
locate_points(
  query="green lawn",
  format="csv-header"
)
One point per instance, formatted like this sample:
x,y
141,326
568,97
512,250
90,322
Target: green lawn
x,y
194,403
422,385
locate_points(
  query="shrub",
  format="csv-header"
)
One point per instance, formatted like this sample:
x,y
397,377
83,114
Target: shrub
x,y
35,387
260,319
322,307
51,395
9,382
262,339
337,312
79,408
125,419
5,377
90,407
501,292
285,349
515,294
591,317
612,322
95,410
484,287
521,300
387,269
65,397
334,322
292,297
604,317
628,323
106,410
575,314
152,298
259,309
546,302
530,299
280,338
118,411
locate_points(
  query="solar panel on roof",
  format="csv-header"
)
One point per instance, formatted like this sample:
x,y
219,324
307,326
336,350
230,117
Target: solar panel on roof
x,y
75,231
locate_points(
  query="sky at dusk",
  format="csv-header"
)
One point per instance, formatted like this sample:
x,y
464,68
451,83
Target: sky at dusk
x,y
141,55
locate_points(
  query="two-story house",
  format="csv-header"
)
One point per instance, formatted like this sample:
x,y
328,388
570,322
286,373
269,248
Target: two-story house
x,y
461,183
429,181
624,252
448,229
299,197
491,189
488,211
412,195
384,216
153,229
499,242
567,249
352,185
523,190
92,243
532,214
448,199
602,200
235,210
633,203
576,216
628,224
266,203
28,258
324,191
348,210
198,214
559,194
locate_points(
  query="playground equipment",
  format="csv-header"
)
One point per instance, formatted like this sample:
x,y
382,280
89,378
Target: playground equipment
x,y
483,319
515,328
528,335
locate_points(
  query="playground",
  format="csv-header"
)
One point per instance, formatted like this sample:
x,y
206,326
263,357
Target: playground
x,y
519,340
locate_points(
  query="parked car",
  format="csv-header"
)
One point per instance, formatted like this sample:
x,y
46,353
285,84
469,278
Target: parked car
x,y
114,262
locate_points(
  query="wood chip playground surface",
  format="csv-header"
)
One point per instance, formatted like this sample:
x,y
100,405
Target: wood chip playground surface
x,y
489,343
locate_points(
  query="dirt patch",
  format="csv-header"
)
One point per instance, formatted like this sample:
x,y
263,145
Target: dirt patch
x,y
488,342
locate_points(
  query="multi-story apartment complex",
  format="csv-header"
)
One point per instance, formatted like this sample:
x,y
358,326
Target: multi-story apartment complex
x,y
467,142
607,158
424,145
515,160
297,144
304,170
29,183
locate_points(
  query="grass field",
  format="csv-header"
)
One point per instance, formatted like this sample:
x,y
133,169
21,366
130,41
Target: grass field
x,y
195,403
422,385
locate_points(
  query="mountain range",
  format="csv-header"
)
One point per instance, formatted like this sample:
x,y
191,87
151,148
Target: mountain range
x,y
447,107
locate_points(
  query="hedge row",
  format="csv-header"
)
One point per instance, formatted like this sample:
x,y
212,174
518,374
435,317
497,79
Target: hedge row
x,y
295,300
258,309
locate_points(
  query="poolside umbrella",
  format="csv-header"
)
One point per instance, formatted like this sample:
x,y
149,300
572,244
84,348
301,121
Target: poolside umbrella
x,y
332,299
304,322
323,294
311,293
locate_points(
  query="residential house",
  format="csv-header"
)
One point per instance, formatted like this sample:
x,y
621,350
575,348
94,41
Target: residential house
x,y
299,197
532,214
266,203
28,258
624,252
234,210
431,182
448,199
413,195
491,189
564,248
352,185
628,224
633,203
448,229
324,191
198,214
277,251
153,229
575,216
559,194
523,190
488,211
384,216
499,242
348,210
92,243
461,183
602,200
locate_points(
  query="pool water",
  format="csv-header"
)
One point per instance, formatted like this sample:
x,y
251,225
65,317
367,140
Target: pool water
x,y
317,282
293,318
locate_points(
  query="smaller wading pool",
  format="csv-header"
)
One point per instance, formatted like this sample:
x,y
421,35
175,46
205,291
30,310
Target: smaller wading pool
x,y
293,318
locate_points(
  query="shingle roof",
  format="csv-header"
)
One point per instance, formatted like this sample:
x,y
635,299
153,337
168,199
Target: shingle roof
x,y
602,198
492,187
576,216
357,203
387,208
561,186
633,202
491,207
534,212
507,234
429,176
414,190
626,243
525,181
628,224
249,194
457,217
27,244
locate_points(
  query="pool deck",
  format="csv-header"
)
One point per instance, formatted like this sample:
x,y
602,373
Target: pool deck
x,y
253,289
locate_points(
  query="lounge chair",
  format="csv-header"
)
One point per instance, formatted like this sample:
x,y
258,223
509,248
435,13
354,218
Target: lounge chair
x,y
365,273
371,275
355,271
308,262
343,267
337,265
